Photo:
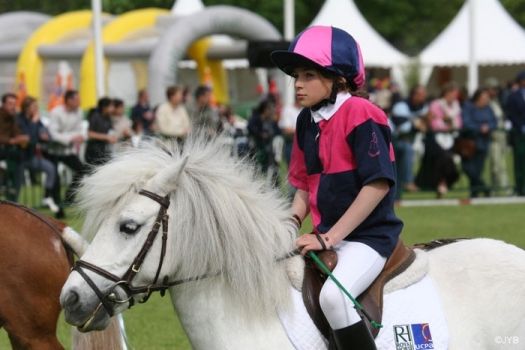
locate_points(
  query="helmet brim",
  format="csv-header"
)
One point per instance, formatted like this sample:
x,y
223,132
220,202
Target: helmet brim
x,y
287,61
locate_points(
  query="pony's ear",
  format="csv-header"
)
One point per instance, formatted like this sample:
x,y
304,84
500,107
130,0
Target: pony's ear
x,y
166,181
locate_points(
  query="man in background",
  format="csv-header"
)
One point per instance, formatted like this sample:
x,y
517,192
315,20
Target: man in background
x,y
516,114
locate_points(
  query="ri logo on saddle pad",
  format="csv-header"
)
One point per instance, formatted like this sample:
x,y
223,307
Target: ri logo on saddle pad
x,y
413,337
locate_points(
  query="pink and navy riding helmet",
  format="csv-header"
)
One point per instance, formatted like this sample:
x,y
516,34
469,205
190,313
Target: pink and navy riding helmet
x,y
326,48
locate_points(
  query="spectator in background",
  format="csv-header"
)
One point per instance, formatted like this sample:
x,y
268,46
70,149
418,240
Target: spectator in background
x,y
438,171
234,127
186,95
287,124
142,115
516,114
203,116
381,94
120,122
30,124
100,133
172,118
498,145
262,128
12,143
121,125
9,101
478,122
67,136
408,118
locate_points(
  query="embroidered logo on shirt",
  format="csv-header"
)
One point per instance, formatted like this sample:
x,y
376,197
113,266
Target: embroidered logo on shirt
x,y
373,149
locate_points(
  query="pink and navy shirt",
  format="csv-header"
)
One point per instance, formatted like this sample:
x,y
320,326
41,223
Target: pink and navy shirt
x,y
334,156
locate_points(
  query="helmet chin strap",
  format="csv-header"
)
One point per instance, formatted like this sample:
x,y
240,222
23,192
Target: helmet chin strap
x,y
325,102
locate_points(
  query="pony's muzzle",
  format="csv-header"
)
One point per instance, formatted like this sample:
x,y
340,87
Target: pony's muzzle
x,y
71,300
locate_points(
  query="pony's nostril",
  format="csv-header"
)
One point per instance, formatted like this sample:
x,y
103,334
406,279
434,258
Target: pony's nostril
x,y
72,298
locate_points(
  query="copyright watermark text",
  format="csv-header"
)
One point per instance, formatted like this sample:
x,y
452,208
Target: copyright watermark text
x,y
507,340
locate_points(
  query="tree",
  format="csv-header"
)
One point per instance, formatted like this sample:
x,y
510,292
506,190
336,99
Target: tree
x,y
408,24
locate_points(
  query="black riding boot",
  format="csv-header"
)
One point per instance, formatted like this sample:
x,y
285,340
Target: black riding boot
x,y
356,336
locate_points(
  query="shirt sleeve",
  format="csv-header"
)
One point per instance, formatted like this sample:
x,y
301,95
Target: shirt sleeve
x,y
372,148
57,135
163,120
297,175
97,125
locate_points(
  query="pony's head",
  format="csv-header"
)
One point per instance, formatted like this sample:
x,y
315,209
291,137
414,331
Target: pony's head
x,y
161,215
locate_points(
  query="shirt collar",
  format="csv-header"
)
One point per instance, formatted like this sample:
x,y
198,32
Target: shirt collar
x,y
328,111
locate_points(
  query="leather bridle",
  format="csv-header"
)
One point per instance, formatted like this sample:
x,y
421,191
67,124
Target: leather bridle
x,y
109,297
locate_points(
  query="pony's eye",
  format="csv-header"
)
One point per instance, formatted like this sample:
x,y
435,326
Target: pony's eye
x,y
129,227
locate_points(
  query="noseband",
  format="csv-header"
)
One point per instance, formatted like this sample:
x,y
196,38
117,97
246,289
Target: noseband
x,y
125,281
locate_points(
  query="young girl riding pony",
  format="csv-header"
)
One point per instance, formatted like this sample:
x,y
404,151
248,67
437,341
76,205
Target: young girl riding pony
x,y
343,167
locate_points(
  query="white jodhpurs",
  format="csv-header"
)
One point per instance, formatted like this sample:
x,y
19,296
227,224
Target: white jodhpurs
x,y
357,267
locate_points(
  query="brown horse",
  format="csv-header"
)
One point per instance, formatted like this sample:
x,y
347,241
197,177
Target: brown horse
x,y
35,265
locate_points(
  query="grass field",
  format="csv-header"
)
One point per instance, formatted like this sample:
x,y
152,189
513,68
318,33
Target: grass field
x,y
154,326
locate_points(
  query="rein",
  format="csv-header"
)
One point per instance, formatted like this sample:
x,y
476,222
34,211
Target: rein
x,y
109,297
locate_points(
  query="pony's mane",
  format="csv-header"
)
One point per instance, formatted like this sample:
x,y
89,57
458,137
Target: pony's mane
x,y
223,217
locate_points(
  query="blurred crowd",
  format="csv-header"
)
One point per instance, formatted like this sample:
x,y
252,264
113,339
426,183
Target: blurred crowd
x,y
67,141
434,139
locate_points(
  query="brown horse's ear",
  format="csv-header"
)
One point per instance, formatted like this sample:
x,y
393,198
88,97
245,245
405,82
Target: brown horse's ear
x,y
166,181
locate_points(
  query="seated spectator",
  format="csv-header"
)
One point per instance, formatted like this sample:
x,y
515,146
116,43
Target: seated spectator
x,y
100,133
202,114
142,115
121,124
12,143
234,127
67,137
29,122
172,118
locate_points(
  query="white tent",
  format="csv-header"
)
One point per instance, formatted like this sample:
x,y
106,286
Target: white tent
x,y
186,7
497,39
344,14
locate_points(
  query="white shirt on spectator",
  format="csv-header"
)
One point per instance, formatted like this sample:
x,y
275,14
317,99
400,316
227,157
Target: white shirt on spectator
x,y
173,121
64,125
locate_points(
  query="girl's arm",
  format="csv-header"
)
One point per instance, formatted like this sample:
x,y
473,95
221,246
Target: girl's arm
x,y
365,202
300,206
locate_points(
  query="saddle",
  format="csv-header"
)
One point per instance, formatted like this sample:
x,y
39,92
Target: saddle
x,y
371,299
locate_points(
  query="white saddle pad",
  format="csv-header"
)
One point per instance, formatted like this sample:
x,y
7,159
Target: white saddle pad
x,y
413,319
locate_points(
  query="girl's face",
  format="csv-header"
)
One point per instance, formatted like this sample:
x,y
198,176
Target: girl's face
x,y
311,87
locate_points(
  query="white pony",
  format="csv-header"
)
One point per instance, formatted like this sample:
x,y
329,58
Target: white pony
x,y
226,234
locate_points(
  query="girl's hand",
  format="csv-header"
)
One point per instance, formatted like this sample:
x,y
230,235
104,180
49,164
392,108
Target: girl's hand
x,y
312,241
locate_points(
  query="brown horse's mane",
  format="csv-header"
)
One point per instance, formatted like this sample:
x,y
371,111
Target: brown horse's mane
x,y
55,225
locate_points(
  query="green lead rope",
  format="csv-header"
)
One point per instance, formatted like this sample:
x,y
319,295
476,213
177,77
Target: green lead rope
x,y
359,308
